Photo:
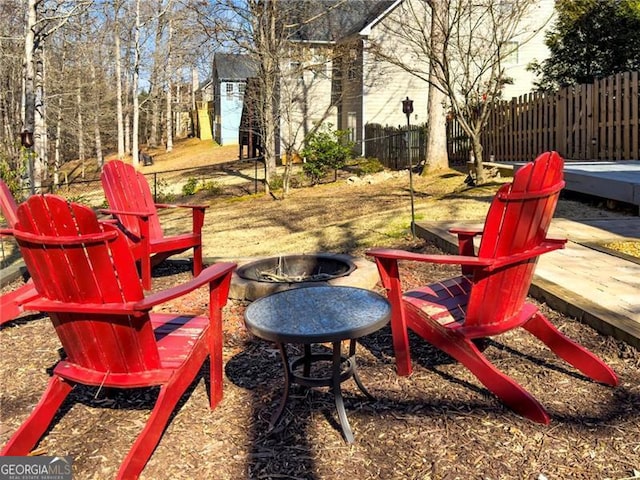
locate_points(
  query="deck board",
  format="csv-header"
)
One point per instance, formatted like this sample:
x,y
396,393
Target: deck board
x,y
600,289
618,180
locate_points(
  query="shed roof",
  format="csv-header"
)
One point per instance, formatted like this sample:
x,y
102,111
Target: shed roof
x,y
233,66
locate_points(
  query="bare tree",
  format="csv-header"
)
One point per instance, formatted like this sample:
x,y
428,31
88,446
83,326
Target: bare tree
x,y
58,123
92,81
269,44
11,79
134,87
97,135
466,43
160,53
117,57
38,28
289,70
436,157
169,97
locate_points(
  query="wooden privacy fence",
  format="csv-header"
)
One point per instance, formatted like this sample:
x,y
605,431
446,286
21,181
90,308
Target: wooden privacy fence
x,y
389,145
598,121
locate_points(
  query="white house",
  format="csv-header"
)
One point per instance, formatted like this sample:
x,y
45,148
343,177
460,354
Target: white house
x,y
337,72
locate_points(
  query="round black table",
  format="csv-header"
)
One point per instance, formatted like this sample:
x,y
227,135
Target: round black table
x,y
318,314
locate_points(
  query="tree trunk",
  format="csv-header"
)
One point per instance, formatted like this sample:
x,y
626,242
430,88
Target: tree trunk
x,y
81,151
40,135
118,65
135,160
288,171
169,117
436,148
269,132
267,43
56,156
29,107
127,118
97,138
159,65
96,123
478,163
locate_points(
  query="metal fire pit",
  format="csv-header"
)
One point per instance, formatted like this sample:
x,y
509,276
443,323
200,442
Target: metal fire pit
x,y
297,268
257,278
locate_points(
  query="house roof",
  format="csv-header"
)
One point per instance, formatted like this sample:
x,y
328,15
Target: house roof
x,y
205,84
331,20
233,66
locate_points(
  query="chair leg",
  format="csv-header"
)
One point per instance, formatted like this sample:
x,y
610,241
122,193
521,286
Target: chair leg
x,y
505,388
170,394
197,260
573,353
30,432
214,345
402,352
468,354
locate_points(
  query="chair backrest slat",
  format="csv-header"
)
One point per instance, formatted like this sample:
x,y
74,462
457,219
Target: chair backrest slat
x,y
517,221
128,190
90,271
8,205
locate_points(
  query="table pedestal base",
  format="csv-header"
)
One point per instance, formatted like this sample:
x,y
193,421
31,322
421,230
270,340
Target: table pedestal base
x,y
342,368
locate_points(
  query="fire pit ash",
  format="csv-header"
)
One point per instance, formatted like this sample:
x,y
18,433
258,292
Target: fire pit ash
x,y
297,268
261,277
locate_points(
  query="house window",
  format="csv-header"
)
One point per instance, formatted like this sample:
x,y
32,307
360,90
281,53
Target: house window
x,y
336,81
296,71
510,53
506,7
241,88
352,124
353,65
229,90
319,65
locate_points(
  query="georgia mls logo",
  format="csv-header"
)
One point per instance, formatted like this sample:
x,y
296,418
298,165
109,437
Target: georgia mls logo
x,y
59,466
35,468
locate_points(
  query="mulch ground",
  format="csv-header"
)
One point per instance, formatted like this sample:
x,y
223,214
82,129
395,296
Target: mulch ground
x,y
439,423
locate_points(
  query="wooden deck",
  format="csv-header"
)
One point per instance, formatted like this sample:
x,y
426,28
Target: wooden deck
x,y
618,180
593,286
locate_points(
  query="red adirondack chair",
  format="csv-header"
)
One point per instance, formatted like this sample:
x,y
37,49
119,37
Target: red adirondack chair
x,y
89,286
131,202
489,297
12,303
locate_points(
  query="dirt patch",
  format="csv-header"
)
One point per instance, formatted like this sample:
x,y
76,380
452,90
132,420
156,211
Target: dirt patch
x,y
440,423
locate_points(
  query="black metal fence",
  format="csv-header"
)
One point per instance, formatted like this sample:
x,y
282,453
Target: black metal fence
x,y
391,146
236,177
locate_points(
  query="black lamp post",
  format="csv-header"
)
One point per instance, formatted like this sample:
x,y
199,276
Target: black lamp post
x,y
407,109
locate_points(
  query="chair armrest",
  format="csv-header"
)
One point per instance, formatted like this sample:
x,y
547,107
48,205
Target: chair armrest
x,y
109,221
181,205
420,257
125,212
137,308
197,214
45,305
467,232
465,240
549,245
208,275
562,241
